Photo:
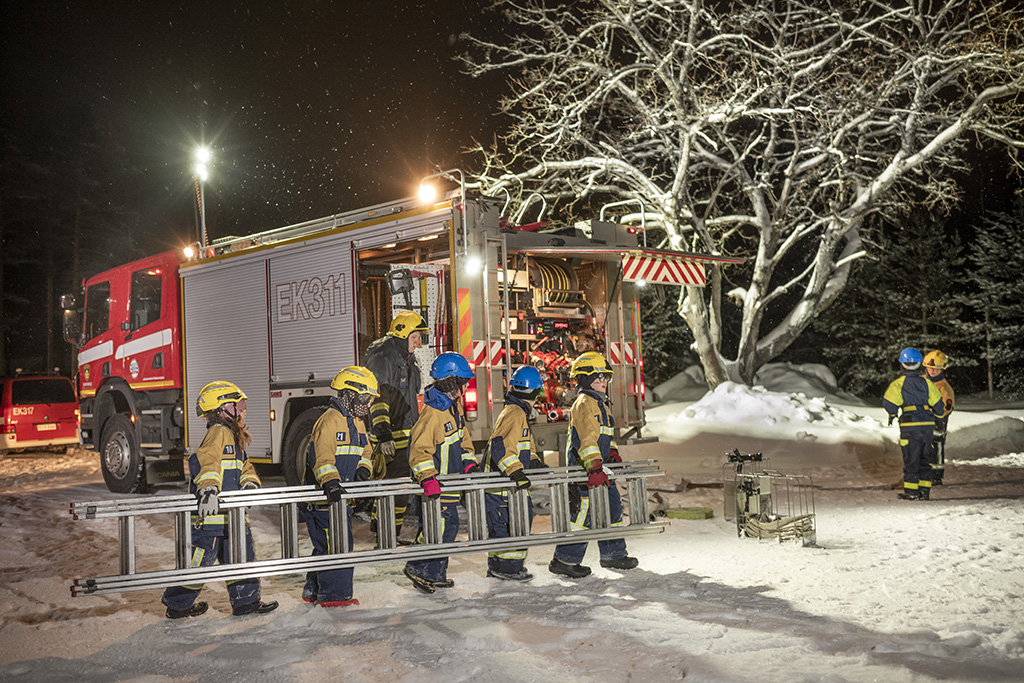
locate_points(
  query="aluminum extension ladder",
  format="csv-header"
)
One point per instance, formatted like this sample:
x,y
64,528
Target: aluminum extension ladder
x,y
631,475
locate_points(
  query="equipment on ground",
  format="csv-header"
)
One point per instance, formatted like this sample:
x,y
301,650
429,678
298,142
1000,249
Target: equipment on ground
x,y
766,504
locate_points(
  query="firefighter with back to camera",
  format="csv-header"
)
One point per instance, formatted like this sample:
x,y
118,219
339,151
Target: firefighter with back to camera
x,y
918,402
392,360
440,444
339,451
220,464
591,444
935,364
511,450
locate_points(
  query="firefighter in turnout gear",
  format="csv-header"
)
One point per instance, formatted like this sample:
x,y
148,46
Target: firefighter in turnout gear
x,y
339,451
220,464
591,429
935,364
918,402
440,444
392,361
511,450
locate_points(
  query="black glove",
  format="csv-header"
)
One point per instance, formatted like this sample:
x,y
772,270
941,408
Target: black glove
x,y
521,480
362,474
538,464
471,468
891,418
334,491
388,449
949,404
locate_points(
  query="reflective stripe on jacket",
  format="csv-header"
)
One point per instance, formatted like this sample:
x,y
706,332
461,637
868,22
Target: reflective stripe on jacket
x,y
219,462
591,430
440,442
919,399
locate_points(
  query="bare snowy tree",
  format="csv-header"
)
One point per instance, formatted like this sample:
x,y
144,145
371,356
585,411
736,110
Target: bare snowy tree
x,y
768,129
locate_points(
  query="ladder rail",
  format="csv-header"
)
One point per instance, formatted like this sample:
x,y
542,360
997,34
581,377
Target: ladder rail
x,y
472,488
282,566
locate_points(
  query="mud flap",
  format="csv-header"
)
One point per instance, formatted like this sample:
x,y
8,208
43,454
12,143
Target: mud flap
x,y
164,469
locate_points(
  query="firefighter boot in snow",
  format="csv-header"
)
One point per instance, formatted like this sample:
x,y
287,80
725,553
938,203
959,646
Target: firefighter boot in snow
x,y
626,562
573,571
193,611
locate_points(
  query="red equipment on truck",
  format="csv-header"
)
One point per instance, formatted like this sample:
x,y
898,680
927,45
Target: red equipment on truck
x,y
280,312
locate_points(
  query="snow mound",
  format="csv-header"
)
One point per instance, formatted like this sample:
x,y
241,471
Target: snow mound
x,y
809,379
732,403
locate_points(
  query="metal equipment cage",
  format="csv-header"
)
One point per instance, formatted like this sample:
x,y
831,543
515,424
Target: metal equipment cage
x,y
766,504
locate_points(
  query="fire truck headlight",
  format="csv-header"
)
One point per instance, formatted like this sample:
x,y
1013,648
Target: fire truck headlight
x,y
641,283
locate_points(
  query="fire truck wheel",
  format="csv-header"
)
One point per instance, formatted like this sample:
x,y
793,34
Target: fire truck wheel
x,y
296,441
120,457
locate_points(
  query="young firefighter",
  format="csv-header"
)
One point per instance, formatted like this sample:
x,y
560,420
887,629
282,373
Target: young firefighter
x,y
921,403
935,364
339,451
220,464
392,361
590,444
511,450
440,444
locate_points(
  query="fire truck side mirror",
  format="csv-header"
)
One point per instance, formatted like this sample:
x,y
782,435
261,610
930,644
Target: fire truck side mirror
x,y
72,326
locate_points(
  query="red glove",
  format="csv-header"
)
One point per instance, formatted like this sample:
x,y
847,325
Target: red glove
x,y
471,468
613,455
432,488
596,477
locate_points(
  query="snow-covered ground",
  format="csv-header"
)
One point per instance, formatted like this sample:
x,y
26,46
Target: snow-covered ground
x,y
893,590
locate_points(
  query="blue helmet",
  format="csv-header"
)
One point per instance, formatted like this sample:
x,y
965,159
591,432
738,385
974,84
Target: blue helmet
x,y
449,365
525,383
526,378
910,355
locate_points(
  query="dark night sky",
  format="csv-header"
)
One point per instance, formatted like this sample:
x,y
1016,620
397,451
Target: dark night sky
x,y
310,107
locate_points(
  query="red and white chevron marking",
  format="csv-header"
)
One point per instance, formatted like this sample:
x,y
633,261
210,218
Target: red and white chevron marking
x,y
666,271
480,353
620,354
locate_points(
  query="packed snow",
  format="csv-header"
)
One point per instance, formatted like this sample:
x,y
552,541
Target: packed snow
x,y
892,590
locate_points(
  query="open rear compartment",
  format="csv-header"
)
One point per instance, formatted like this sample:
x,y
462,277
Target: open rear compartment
x,y
564,305
408,275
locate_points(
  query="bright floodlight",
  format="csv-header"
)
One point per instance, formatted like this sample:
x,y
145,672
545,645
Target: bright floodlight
x,y
202,154
201,171
428,193
189,252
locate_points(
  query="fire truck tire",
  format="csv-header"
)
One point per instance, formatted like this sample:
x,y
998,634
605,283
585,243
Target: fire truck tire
x,y
296,441
120,458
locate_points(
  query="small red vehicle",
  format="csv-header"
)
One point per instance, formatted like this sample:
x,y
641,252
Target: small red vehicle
x,y
38,411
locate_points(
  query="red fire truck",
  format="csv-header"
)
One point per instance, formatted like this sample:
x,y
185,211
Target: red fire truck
x,y
281,312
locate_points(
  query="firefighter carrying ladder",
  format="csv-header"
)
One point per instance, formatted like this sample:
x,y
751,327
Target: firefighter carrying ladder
x,y
631,475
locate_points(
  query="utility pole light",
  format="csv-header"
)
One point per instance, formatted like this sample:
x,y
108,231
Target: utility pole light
x,y
201,173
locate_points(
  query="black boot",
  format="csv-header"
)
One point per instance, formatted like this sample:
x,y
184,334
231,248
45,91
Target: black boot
x,y
909,495
193,611
621,563
573,571
254,608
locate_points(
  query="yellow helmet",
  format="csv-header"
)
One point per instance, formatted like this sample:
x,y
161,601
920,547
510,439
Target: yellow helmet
x,y
356,378
405,323
936,359
216,394
590,363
